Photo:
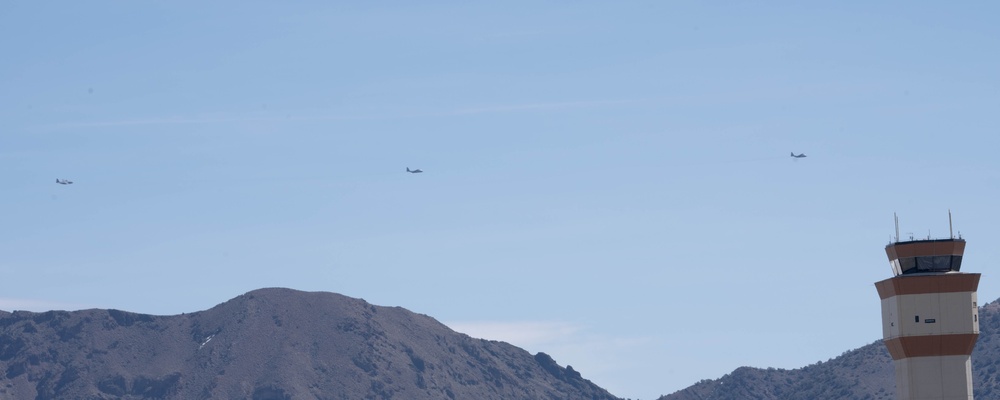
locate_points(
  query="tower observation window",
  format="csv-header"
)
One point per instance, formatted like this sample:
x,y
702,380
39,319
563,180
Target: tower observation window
x,y
911,265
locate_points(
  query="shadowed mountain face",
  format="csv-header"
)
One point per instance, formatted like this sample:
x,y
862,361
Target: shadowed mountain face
x,y
269,344
863,373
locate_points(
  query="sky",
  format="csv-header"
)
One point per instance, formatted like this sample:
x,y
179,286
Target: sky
x,y
606,182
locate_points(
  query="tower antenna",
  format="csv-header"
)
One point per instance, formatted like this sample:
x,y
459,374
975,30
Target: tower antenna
x,y
896,218
950,231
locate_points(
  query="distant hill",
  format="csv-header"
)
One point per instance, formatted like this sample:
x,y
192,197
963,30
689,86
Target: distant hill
x,y
863,373
269,344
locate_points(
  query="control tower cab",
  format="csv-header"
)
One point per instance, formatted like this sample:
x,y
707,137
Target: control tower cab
x,y
923,256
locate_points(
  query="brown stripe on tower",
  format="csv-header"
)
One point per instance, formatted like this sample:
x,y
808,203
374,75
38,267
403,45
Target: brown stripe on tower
x,y
921,284
931,345
925,248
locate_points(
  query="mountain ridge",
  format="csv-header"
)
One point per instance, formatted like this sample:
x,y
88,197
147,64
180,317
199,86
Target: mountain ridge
x,y
862,373
269,344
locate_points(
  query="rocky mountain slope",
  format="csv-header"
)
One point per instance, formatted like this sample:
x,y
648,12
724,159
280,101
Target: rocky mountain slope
x,y
863,373
269,344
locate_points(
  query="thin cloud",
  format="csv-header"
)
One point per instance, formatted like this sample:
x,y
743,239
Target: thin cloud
x,y
8,304
509,108
194,120
514,34
540,106
132,122
524,334
610,360
542,335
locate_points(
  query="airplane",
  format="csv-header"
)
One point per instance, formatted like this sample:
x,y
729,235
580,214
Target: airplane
x,y
413,171
803,155
64,181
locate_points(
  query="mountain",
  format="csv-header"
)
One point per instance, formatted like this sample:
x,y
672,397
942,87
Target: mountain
x,y
863,373
269,344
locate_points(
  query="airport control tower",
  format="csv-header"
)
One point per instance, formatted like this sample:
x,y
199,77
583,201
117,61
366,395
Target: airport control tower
x,y
930,319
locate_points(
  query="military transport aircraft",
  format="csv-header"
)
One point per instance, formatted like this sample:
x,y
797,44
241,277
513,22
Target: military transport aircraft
x,y
803,155
413,171
64,181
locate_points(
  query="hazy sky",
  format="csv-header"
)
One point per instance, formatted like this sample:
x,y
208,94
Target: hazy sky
x,y
607,182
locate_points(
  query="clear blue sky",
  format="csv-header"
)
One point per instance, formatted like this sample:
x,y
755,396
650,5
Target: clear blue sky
x,y
608,182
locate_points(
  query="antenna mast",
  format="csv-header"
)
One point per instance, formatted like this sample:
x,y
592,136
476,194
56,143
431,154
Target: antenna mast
x,y
896,218
950,231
